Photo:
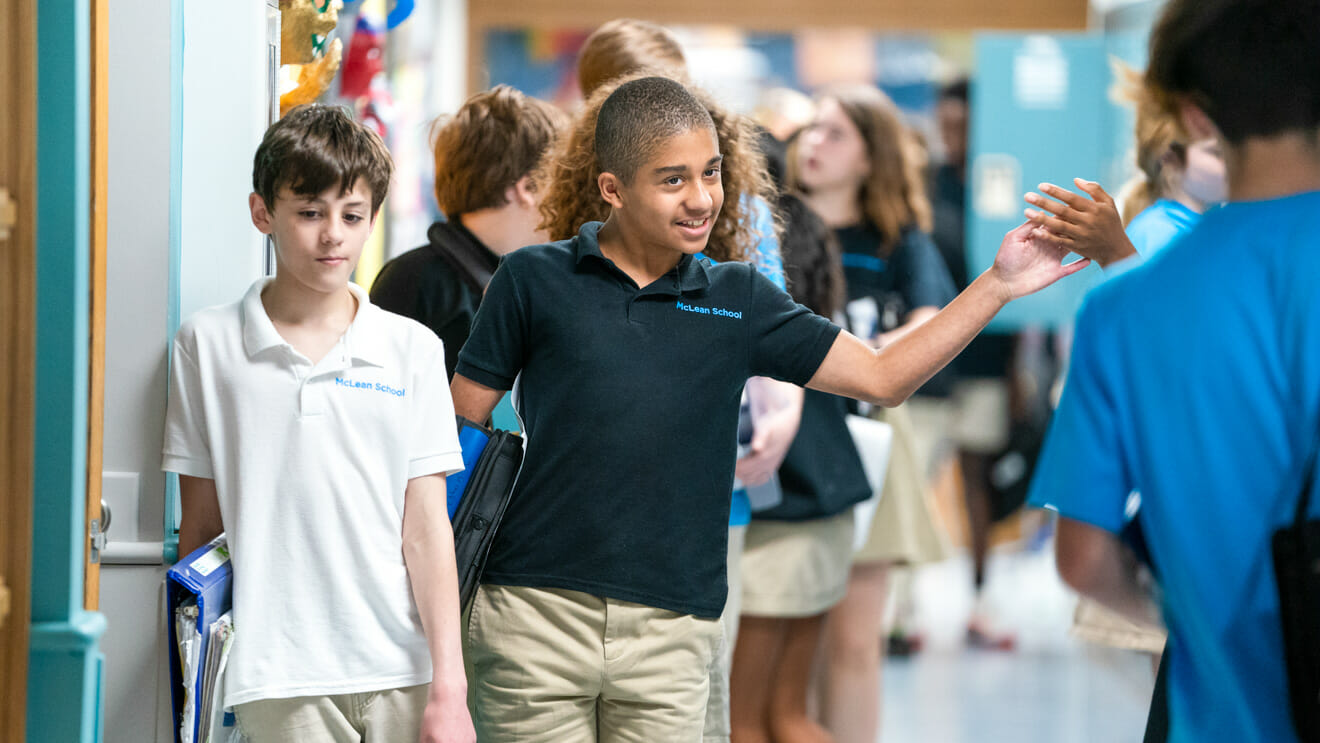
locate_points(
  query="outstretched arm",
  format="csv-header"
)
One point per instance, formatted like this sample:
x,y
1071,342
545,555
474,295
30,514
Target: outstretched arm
x,y
888,376
1090,227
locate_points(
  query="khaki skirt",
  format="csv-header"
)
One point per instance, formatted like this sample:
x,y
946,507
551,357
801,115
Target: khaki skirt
x,y
904,530
796,568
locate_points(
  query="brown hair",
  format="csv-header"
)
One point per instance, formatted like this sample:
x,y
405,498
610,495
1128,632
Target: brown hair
x,y
316,146
573,198
626,45
893,197
496,137
1157,134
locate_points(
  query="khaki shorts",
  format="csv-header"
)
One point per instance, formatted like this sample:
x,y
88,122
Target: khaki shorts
x,y
796,568
718,729
546,664
393,714
980,421
904,530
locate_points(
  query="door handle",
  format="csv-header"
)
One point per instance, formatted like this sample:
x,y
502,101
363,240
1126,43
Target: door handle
x,y
8,213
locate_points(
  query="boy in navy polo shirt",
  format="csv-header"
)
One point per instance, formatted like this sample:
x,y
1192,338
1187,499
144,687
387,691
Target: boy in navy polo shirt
x,y
315,430
1194,386
598,617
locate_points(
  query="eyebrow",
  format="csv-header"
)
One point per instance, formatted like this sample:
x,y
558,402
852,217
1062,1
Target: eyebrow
x,y
318,201
681,169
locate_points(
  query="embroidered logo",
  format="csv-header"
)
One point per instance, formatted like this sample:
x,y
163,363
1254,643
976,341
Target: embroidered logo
x,y
716,311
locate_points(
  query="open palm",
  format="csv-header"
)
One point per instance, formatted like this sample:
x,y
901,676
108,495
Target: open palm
x,y
1026,264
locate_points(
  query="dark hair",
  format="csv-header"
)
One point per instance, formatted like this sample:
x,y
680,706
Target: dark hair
x,y
317,146
623,46
496,137
813,265
956,90
1249,64
638,117
572,195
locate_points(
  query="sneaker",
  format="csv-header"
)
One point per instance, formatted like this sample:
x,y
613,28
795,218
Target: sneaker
x,y
903,644
981,637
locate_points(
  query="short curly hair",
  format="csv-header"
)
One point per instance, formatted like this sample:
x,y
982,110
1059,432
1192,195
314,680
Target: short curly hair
x,y
640,116
570,176
496,137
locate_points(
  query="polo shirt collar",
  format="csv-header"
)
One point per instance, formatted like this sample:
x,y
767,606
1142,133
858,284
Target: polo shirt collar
x,y
692,274
360,342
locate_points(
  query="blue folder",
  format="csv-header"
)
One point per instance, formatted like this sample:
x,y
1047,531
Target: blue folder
x,y
207,576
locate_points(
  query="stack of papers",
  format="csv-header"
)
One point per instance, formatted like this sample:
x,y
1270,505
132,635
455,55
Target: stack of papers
x,y
210,722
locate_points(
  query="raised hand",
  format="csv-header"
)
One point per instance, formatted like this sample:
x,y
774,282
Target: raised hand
x,y
1027,263
1088,227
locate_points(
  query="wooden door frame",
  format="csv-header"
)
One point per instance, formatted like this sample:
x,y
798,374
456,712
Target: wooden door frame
x,y
18,339
96,327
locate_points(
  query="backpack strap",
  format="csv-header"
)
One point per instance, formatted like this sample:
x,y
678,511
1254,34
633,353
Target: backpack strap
x,y
466,258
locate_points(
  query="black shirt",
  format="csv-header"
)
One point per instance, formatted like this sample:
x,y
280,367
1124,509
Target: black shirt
x,y
822,474
912,275
427,285
989,353
629,398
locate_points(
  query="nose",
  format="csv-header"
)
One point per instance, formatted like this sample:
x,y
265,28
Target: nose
x,y
700,199
333,234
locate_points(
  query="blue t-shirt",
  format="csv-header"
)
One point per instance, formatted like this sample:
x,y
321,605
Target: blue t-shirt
x,y
1158,225
1195,380
771,265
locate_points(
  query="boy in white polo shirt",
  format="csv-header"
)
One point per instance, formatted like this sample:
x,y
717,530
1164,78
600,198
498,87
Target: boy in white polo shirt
x,y
316,430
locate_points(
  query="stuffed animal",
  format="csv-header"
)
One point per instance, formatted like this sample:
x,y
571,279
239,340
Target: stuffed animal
x,y
308,62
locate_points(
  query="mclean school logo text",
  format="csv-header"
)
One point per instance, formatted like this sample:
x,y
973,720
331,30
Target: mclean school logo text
x,y
369,386
716,311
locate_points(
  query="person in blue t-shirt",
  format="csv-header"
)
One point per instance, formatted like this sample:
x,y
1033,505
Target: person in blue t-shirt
x,y
1195,378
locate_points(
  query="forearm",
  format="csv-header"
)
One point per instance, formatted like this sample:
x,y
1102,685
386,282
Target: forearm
x,y
914,320
428,553
1097,565
890,375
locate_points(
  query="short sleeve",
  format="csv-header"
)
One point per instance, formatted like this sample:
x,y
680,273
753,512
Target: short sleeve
x,y
494,352
921,275
187,449
1081,471
433,435
788,341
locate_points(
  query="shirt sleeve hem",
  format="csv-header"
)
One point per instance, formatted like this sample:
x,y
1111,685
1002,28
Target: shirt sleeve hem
x,y
481,376
442,464
819,350
1092,519
188,466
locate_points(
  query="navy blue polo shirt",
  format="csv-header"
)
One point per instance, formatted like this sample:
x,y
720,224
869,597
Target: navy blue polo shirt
x,y
629,399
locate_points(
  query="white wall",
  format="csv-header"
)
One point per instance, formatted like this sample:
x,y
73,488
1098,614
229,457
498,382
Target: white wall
x,y
224,116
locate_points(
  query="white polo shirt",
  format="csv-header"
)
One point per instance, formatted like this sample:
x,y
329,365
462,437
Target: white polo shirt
x,y
310,463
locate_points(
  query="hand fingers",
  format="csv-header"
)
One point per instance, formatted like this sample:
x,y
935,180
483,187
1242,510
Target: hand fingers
x,y
1063,211
1076,201
1051,223
1071,268
1095,191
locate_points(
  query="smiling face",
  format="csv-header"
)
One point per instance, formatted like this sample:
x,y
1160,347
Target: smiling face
x,y
673,198
831,151
318,238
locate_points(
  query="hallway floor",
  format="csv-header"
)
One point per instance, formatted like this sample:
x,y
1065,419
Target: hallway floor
x,y
1052,689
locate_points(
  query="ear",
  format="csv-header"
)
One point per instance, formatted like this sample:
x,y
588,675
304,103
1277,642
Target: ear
x,y
261,216
1197,122
522,193
611,189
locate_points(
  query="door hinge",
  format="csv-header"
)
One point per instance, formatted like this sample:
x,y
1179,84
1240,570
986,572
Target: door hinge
x,y
8,213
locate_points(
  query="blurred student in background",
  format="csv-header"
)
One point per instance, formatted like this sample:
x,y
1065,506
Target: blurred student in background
x,y
857,167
